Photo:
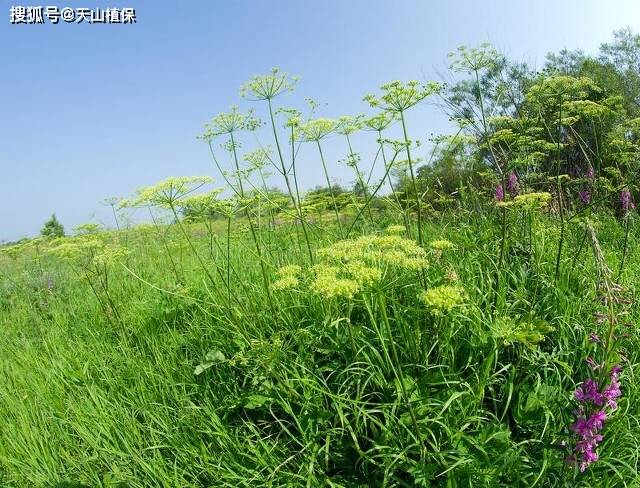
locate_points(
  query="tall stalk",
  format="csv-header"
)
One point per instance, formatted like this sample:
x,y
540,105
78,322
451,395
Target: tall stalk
x,y
387,176
263,269
413,178
363,185
333,197
295,199
559,191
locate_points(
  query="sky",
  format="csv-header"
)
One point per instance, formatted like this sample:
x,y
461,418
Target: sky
x,y
93,111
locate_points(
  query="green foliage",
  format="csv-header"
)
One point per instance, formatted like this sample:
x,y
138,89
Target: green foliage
x,y
52,228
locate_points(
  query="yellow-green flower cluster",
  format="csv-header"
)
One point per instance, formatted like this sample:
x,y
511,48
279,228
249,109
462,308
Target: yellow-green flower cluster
x,y
329,284
288,277
443,299
316,129
395,229
378,252
266,87
442,245
88,251
110,254
528,201
362,274
167,192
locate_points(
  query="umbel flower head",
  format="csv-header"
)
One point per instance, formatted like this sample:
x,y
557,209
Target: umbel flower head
x,y
398,97
316,129
395,229
442,299
351,266
266,87
466,59
348,124
382,252
167,192
528,201
202,204
88,252
259,158
442,245
288,277
230,122
380,121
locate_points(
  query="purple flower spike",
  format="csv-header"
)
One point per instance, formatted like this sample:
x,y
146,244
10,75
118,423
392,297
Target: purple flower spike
x,y
585,196
626,200
512,184
591,416
590,173
499,193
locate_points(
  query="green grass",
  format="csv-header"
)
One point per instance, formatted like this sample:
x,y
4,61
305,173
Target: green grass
x,y
301,390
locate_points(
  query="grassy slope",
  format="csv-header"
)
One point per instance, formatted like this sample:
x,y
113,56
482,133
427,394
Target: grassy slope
x,y
88,400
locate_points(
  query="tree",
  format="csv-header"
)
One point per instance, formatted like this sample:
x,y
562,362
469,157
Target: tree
x,y
52,228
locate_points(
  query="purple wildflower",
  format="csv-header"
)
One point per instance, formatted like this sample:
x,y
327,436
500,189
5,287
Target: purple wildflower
x,y
587,428
585,196
588,393
590,173
499,193
626,200
595,338
613,391
512,184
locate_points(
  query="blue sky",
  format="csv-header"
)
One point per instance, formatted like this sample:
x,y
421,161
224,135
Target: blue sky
x,y
92,111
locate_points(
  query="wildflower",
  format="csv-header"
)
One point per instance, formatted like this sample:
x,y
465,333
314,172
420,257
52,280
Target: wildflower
x,y
591,416
266,87
467,59
443,299
361,273
285,283
442,245
528,201
348,124
451,276
379,122
499,193
168,191
398,97
259,158
626,200
590,173
585,196
513,185
377,251
230,122
329,285
316,129
289,270
395,229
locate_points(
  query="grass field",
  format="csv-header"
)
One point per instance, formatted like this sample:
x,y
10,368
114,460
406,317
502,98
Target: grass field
x,y
142,368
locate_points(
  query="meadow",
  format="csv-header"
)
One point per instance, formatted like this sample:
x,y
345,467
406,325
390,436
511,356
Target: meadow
x,y
463,317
